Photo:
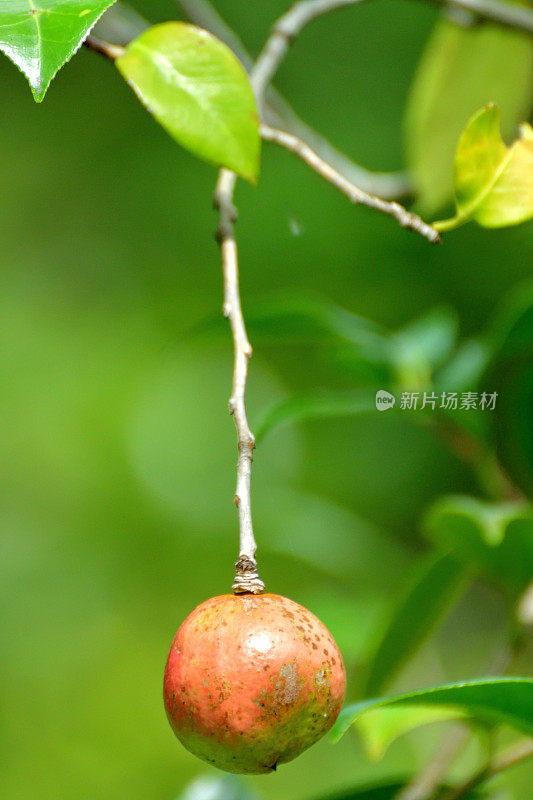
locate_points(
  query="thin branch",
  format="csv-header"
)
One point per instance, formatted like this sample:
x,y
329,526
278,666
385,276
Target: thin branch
x,y
120,24
428,780
246,577
478,457
387,185
425,784
111,51
285,30
301,14
356,195
508,14
278,113
519,752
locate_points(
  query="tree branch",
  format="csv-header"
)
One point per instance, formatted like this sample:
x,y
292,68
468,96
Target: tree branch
x,y
356,195
110,51
285,30
424,785
291,24
246,577
508,14
279,114
519,752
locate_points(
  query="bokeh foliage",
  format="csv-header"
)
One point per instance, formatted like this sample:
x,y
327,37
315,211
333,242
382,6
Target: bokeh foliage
x,y
117,474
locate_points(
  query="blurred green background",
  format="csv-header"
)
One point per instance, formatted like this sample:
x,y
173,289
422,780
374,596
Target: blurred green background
x,y
118,453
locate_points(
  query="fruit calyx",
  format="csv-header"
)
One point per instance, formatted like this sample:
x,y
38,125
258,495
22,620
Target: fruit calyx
x,y
247,580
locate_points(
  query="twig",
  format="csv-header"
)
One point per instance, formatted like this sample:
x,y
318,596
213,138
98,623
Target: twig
x,y
387,185
425,784
285,30
278,113
508,14
428,780
356,195
478,457
246,577
519,752
111,51
290,25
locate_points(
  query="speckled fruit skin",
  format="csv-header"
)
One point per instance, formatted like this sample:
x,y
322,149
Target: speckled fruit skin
x,y
252,681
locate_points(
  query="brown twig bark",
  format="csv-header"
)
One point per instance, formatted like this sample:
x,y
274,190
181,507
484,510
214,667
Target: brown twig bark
x,y
354,193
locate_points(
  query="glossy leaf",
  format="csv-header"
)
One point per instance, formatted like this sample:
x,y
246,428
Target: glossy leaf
x,y
417,613
494,538
40,37
493,183
461,70
198,91
501,700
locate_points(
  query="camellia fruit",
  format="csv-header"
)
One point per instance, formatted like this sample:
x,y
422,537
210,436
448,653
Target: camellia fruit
x,y
252,681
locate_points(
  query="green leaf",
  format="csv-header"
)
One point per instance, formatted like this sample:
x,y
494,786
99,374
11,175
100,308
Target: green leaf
x,y
380,727
429,339
299,318
198,91
510,374
315,531
501,700
40,36
493,183
461,70
494,538
420,347
384,791
374,356
215,787
317,406
464,369
418,612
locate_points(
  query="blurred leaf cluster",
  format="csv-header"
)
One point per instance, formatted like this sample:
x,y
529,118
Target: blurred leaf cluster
x,y
408,531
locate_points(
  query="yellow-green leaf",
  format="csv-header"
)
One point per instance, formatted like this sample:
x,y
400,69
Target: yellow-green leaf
x,y
198,91
380,727
493,183
461,69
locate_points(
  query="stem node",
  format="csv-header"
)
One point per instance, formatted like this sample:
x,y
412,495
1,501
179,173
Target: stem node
x,y
247,580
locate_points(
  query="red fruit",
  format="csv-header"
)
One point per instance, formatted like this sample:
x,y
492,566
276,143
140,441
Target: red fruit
x,y
251,681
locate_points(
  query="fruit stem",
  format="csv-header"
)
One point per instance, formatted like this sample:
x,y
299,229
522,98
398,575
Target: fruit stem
x,y
246,578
